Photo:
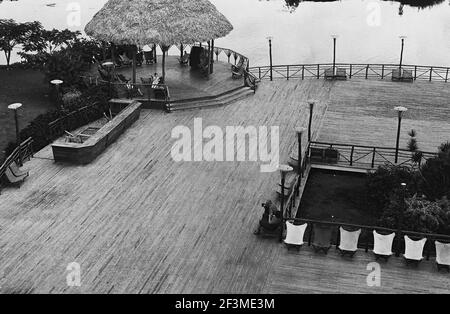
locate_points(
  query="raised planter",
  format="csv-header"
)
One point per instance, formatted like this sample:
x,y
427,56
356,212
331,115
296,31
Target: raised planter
x,y
91,148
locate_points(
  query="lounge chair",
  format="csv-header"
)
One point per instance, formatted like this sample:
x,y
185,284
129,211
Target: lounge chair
x,y
15,179
124,60
349,242
329,74
237,71
322,238
382,245
17,171
184,60
414,250
443,255
294,235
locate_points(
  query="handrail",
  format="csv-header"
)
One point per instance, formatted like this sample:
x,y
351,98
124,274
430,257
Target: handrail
x,y
366,156
357,70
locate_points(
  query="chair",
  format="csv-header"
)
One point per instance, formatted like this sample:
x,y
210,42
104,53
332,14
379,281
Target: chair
x,y
329,73
322,238
413,250
124,60
407,76
294,235
237,71
17,171
149,57
14,179
382,245
443,255
349,242
184,60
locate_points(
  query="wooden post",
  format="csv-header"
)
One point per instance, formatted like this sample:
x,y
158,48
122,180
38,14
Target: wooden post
x,y
113,53
382,71
446,76
351,67
415,72
211,70
311,112
367,71
373,157
318,71
351,155
303,72
181,50
163,48
155,56
270,57
134,63
287,72
431,73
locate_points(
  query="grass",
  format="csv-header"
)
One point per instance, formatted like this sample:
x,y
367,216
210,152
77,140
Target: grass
x,y
24,86
338,194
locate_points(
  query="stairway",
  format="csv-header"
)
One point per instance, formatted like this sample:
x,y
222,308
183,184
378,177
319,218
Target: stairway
x,y
220,100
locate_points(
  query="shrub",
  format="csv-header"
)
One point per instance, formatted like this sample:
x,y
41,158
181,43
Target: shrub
x,y
435,179
416,214
385,183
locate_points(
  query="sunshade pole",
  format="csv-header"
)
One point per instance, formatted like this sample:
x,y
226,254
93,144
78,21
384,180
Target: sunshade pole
x,y
134,63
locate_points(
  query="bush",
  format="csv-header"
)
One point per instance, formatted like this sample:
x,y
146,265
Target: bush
x,y
435,179
417,214
385,183
72,98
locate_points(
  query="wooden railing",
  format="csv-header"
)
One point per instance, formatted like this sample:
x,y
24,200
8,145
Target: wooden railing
x,y
366,157
21,153
366,238
76,119
366,71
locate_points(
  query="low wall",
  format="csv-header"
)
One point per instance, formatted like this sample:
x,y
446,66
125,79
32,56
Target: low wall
x,y
94,146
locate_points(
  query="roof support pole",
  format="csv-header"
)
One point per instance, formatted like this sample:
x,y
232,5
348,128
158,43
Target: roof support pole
x,y
134,63
211,69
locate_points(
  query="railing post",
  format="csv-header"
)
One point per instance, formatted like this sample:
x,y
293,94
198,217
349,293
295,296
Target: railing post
x,y
367,71
431,73
446,76
351,68
303,72
318,71
415,72
287,73
373,157
351,155
382,72
259,71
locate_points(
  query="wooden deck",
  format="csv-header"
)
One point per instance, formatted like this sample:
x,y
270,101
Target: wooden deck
x,y
361,113
138,222
183,82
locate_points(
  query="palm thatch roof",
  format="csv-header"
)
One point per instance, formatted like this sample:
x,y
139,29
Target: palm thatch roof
x,y
163,22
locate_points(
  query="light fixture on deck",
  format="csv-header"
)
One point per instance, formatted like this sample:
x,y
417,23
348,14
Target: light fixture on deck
x,y
299,132
311,103
57,83
284,170
270,38
16,107
400,110
335,37
402,38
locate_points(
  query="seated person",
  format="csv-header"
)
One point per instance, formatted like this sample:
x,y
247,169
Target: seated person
x,y
271,218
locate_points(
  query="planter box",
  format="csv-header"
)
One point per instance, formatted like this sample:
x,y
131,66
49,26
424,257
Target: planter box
x,y
84,153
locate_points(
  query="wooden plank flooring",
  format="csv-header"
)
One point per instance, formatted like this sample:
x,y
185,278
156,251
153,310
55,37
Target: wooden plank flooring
x,y
361,112
183,82
138,222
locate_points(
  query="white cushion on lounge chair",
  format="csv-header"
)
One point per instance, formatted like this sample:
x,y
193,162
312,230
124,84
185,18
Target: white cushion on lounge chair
x,y
382,244
349,240
414,249
442,253
295,234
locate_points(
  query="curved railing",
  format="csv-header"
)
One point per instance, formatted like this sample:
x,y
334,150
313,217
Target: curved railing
x,y
352,70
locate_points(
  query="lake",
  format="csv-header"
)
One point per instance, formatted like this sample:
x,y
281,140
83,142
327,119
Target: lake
x,y
368,30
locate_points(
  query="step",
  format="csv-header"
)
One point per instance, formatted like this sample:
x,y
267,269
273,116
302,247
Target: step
x,y
215,102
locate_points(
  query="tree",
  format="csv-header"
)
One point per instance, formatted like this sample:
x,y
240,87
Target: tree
x,y
436,174
47,41
13,34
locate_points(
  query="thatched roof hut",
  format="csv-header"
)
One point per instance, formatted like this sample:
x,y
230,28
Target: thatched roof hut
x,y
162,22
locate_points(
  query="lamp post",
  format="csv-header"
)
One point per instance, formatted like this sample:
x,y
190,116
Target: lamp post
x,y
311,112
300,132
15,107
57,84
270,57
400,110
401,54
400,217
334,53
284,169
